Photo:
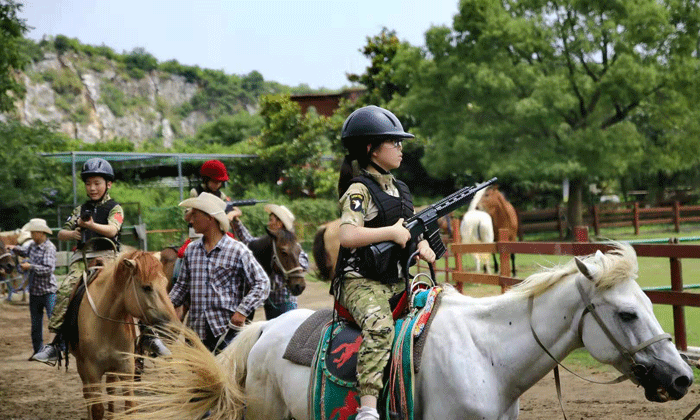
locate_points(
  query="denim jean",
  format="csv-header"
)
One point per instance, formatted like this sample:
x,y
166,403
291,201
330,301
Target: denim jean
x,y
37,305
273,310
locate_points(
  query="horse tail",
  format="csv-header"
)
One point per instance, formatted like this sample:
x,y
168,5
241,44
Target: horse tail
x,y
188,384
234,358
321,255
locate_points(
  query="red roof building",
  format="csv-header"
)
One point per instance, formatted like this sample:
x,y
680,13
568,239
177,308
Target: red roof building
x,y
326,104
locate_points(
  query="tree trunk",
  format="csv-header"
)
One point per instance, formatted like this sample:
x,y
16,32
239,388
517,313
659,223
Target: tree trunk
x,y
574,213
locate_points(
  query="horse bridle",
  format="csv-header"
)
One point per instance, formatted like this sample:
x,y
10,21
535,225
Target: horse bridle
x,y
119,321
639,371
294,272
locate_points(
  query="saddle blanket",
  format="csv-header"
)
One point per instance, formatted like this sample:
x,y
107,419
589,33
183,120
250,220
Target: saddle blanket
x,y
333,390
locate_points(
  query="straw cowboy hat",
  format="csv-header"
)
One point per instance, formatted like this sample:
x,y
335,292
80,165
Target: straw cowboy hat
x,y
37,225
283,214
211,205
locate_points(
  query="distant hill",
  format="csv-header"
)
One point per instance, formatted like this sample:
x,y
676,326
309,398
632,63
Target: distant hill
x,y
95,94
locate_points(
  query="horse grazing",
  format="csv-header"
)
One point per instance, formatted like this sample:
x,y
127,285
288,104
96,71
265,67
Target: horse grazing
x,y
480,354
168,257
278,252
326,247
502,214
132,286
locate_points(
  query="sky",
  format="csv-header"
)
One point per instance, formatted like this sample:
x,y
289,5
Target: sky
x,y
313,42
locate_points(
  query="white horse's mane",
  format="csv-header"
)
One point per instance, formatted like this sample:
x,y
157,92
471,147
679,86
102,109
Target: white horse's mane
x,y
616,266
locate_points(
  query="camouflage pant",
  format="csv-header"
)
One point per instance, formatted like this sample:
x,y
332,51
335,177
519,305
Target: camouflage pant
x,y
368,302
75,271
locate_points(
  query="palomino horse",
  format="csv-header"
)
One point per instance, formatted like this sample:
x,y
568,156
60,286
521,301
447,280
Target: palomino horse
x,y
278,252
480,354
132,286
503,215
327,244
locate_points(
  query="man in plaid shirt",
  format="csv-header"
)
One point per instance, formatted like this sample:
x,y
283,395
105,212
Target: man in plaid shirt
x,y
219,277
41,263
280,217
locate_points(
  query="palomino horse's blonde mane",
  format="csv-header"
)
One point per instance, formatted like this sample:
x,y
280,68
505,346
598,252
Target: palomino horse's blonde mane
x,y
149,267
616,266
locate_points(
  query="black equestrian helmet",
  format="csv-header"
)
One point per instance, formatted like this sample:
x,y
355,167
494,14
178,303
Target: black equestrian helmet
x,y
97,167
370,122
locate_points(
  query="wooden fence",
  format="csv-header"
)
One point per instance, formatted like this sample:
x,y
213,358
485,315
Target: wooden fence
x,y
554,219
676,296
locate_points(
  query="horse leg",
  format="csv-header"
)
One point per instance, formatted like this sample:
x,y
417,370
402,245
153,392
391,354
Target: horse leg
x,y
495,263
110,380
477,262
512,263
92,379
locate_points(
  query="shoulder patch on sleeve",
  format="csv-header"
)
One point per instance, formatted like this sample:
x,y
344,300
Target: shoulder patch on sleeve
x,y
356,201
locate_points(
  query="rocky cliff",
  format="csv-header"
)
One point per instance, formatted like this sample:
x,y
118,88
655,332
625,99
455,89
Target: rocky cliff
x,y
95,99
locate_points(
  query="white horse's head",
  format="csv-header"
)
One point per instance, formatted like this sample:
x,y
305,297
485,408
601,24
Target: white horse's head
x,y
619,328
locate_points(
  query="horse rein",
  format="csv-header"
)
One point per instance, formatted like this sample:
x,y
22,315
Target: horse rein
x,y
294,272
638,370
94,307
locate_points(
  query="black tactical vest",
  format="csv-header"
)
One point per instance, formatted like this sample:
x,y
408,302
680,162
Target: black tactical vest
x,y
99,214
391,209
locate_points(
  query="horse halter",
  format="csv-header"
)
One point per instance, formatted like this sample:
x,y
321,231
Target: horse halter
x,y
294,272
640,371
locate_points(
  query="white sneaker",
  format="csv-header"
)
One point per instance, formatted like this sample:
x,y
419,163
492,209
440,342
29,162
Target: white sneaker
x,y
367,413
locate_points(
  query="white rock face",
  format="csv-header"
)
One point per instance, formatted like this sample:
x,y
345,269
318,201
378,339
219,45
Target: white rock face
x,y
89,117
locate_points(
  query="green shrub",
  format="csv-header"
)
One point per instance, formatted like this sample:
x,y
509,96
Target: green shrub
x,y
114,99
66,82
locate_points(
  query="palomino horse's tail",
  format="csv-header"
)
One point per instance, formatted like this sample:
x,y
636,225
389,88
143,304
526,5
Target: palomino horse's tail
x,y
192,382
321,255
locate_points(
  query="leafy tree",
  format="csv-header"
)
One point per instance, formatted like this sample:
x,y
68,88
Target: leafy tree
x,y
550,90
291,146
380,78
12,30
30,181
230,129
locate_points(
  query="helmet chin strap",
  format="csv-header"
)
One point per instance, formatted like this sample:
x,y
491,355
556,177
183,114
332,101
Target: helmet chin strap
x,y
378,168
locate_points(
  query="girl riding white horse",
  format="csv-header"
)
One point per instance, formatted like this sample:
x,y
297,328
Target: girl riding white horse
x,y
480,355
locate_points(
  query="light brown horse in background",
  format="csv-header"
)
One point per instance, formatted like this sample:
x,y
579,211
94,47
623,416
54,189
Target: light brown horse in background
x,y
132,286
503,215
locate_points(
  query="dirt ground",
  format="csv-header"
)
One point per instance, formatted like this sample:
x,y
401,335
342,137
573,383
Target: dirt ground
x,y
30,390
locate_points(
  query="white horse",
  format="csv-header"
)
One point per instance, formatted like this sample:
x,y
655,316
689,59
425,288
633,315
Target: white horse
x,y
477,228
480,355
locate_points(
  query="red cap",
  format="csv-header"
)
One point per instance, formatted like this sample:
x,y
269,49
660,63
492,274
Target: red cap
x,y
215,170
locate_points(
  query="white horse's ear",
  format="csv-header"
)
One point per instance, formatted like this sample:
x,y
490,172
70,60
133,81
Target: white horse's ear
x,y
588,270
130,263
157,255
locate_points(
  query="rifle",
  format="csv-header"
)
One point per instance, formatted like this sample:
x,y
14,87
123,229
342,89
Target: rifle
x,y
242,203
426,223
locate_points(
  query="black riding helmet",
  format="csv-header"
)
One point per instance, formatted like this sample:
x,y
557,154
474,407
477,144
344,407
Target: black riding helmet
x,y
369,124
97,167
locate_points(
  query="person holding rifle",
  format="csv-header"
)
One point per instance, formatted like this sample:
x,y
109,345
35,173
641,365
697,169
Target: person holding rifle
x,y
99,217
374,206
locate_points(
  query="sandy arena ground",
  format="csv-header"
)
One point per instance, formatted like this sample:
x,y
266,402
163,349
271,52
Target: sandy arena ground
x,y
31,391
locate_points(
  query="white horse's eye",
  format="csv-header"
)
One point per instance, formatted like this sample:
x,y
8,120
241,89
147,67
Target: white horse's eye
x,y
627,316
147,289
